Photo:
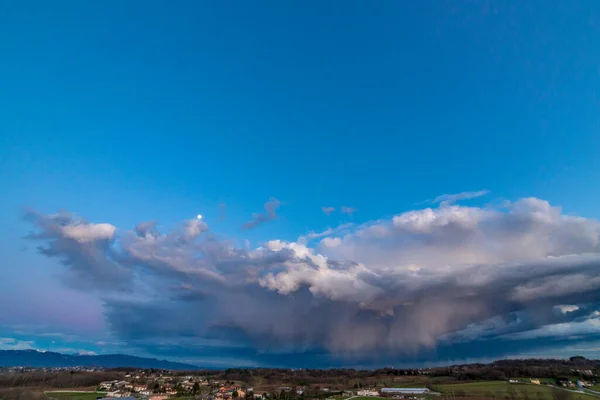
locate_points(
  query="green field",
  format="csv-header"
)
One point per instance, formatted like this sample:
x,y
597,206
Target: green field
x,y
501,390
74,395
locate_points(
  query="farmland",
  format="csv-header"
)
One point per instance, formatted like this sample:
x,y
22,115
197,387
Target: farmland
x,y
501,390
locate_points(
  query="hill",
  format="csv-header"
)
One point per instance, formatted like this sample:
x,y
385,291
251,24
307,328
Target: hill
x,y
38,359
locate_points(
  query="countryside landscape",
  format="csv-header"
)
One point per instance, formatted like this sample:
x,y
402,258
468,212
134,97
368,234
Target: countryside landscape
x,y
299,200
525,379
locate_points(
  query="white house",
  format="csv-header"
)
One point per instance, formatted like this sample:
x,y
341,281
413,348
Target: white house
x,y
367,392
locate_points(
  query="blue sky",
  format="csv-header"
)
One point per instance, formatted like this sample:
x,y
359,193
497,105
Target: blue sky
x,y
148,111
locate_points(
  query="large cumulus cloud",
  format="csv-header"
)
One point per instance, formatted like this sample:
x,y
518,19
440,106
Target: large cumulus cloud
x,y
422,280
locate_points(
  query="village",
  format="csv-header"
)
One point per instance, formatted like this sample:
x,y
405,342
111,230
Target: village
x,y
147,385
144,385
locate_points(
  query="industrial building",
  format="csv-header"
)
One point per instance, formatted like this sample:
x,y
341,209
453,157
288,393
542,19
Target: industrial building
x,y
409,391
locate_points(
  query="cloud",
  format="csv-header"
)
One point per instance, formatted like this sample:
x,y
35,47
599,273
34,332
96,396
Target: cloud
x,y
84,248
15,344
328,210
194,228
449,199
348,210
88,232
327,232
589,326
331,242
87,353
417,283
565,308
145,228
258,219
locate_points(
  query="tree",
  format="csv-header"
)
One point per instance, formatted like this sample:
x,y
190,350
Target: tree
x,y
196,388
234,394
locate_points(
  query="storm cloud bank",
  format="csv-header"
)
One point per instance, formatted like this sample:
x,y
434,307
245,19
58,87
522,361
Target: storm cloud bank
x,y
416,282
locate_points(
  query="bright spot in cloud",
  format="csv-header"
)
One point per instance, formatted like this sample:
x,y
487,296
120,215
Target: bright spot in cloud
x,y
567,308
199,216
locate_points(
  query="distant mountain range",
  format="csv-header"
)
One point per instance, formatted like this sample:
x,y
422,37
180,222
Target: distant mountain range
x,y
38,359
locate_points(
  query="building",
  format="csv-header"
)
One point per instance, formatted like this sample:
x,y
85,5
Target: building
x,y
107,384
408,391
367,392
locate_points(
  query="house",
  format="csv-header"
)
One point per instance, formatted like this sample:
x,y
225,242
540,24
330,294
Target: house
x,y
115,383
159,397
367,392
